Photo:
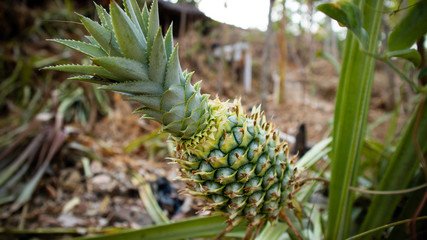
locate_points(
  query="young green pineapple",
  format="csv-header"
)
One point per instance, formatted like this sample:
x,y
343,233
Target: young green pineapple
x,y
233,160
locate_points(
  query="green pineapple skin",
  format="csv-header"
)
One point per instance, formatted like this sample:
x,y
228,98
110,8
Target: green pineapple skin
x,y
233,160
238,164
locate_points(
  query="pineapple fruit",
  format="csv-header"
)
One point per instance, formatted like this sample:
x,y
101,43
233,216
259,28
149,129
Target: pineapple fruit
x,y
233,160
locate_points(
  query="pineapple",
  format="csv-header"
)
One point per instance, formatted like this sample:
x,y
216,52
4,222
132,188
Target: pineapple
x,y
233,160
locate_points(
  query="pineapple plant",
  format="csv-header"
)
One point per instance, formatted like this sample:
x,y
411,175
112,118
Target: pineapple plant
x,y
234,160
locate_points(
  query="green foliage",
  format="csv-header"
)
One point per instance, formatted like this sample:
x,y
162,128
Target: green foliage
x,y
400,170
408,54
128,48
410,28
349,15
396,169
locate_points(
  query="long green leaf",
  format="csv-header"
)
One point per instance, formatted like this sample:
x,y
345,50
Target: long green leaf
x,y
135,88
84,69
318,151
189,228
90,79
351,110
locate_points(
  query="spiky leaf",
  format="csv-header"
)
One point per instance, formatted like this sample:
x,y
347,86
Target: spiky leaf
x,y
85,48
124,69
130,39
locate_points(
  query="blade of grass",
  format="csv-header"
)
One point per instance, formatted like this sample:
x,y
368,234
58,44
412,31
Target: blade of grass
x,y
150,202
318,151
55,143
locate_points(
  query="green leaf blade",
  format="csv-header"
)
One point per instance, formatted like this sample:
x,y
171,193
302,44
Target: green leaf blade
x,y
85,48
135,88
411,55
132,9
125,69
169,41
84,69
349,15
153,24
158,59
102,35
104,17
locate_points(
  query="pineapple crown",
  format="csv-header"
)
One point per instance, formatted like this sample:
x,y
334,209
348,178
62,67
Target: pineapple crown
x,y
131,57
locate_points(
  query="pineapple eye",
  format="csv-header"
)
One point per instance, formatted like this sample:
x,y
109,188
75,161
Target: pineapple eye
x,y
254,150
279,164
238,134
250,211
225,175
254,184
206,167
245,172
250,126
256,199
192,158
233,189
219,199
271,152
270,206
237,203
274,192
262,165
269,178
212,186
233,119
235,155
217,154
227,142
